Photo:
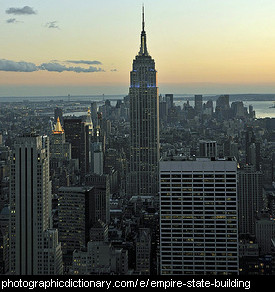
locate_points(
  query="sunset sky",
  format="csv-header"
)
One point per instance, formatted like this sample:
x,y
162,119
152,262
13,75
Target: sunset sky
x,y
86,47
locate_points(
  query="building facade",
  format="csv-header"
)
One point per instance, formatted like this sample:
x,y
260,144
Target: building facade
x,y
144,123
250,198
30,208
198,217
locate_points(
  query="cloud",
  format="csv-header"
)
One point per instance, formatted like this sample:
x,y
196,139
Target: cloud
x,y
7,65
26,10
56,67
12,66
11,20
84,62
52,24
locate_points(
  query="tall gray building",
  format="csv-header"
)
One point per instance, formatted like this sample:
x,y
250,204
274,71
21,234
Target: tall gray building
x,y
144,123
32,248
250,198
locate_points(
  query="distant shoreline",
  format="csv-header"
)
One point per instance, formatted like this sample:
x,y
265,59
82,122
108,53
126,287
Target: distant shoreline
x,y
233,97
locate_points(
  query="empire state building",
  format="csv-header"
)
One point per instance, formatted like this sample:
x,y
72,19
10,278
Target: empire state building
x,y
144,123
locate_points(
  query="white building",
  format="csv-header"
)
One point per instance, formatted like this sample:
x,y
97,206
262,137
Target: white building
x,y
198,216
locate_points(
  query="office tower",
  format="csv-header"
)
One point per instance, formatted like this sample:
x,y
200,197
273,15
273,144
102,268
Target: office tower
x,y
61,169
208,148
96,153
88,122
74,132
94,112
97,158
59,148
163,109
223,102
100,206
169,98
252,149
198,216
222,107
30,207
208,108
144,123
99,133
238,109
198,104
74,219
78,133
250,198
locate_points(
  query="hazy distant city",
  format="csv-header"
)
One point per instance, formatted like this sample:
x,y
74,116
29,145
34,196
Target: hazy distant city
x,y
146,183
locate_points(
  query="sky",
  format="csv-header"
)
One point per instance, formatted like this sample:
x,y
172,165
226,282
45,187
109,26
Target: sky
x,y
86,47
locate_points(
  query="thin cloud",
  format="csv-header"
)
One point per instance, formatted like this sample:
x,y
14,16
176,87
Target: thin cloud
x,y
86,62
11,20
12,66
26,10
52,24
56,67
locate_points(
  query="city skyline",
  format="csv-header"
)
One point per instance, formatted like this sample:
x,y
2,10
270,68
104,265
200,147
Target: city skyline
x,y
201,46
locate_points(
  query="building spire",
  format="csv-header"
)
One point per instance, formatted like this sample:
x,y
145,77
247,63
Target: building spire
x,y
58,128
143,22
143,48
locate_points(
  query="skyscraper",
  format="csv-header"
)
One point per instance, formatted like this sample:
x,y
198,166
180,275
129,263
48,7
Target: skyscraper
x,y
30,209
250,198
144,122
198,216
59,148
198,103
78,132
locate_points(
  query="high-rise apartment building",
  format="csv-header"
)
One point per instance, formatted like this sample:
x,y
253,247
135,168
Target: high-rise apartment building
x,y
198,216
144,123
30,209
